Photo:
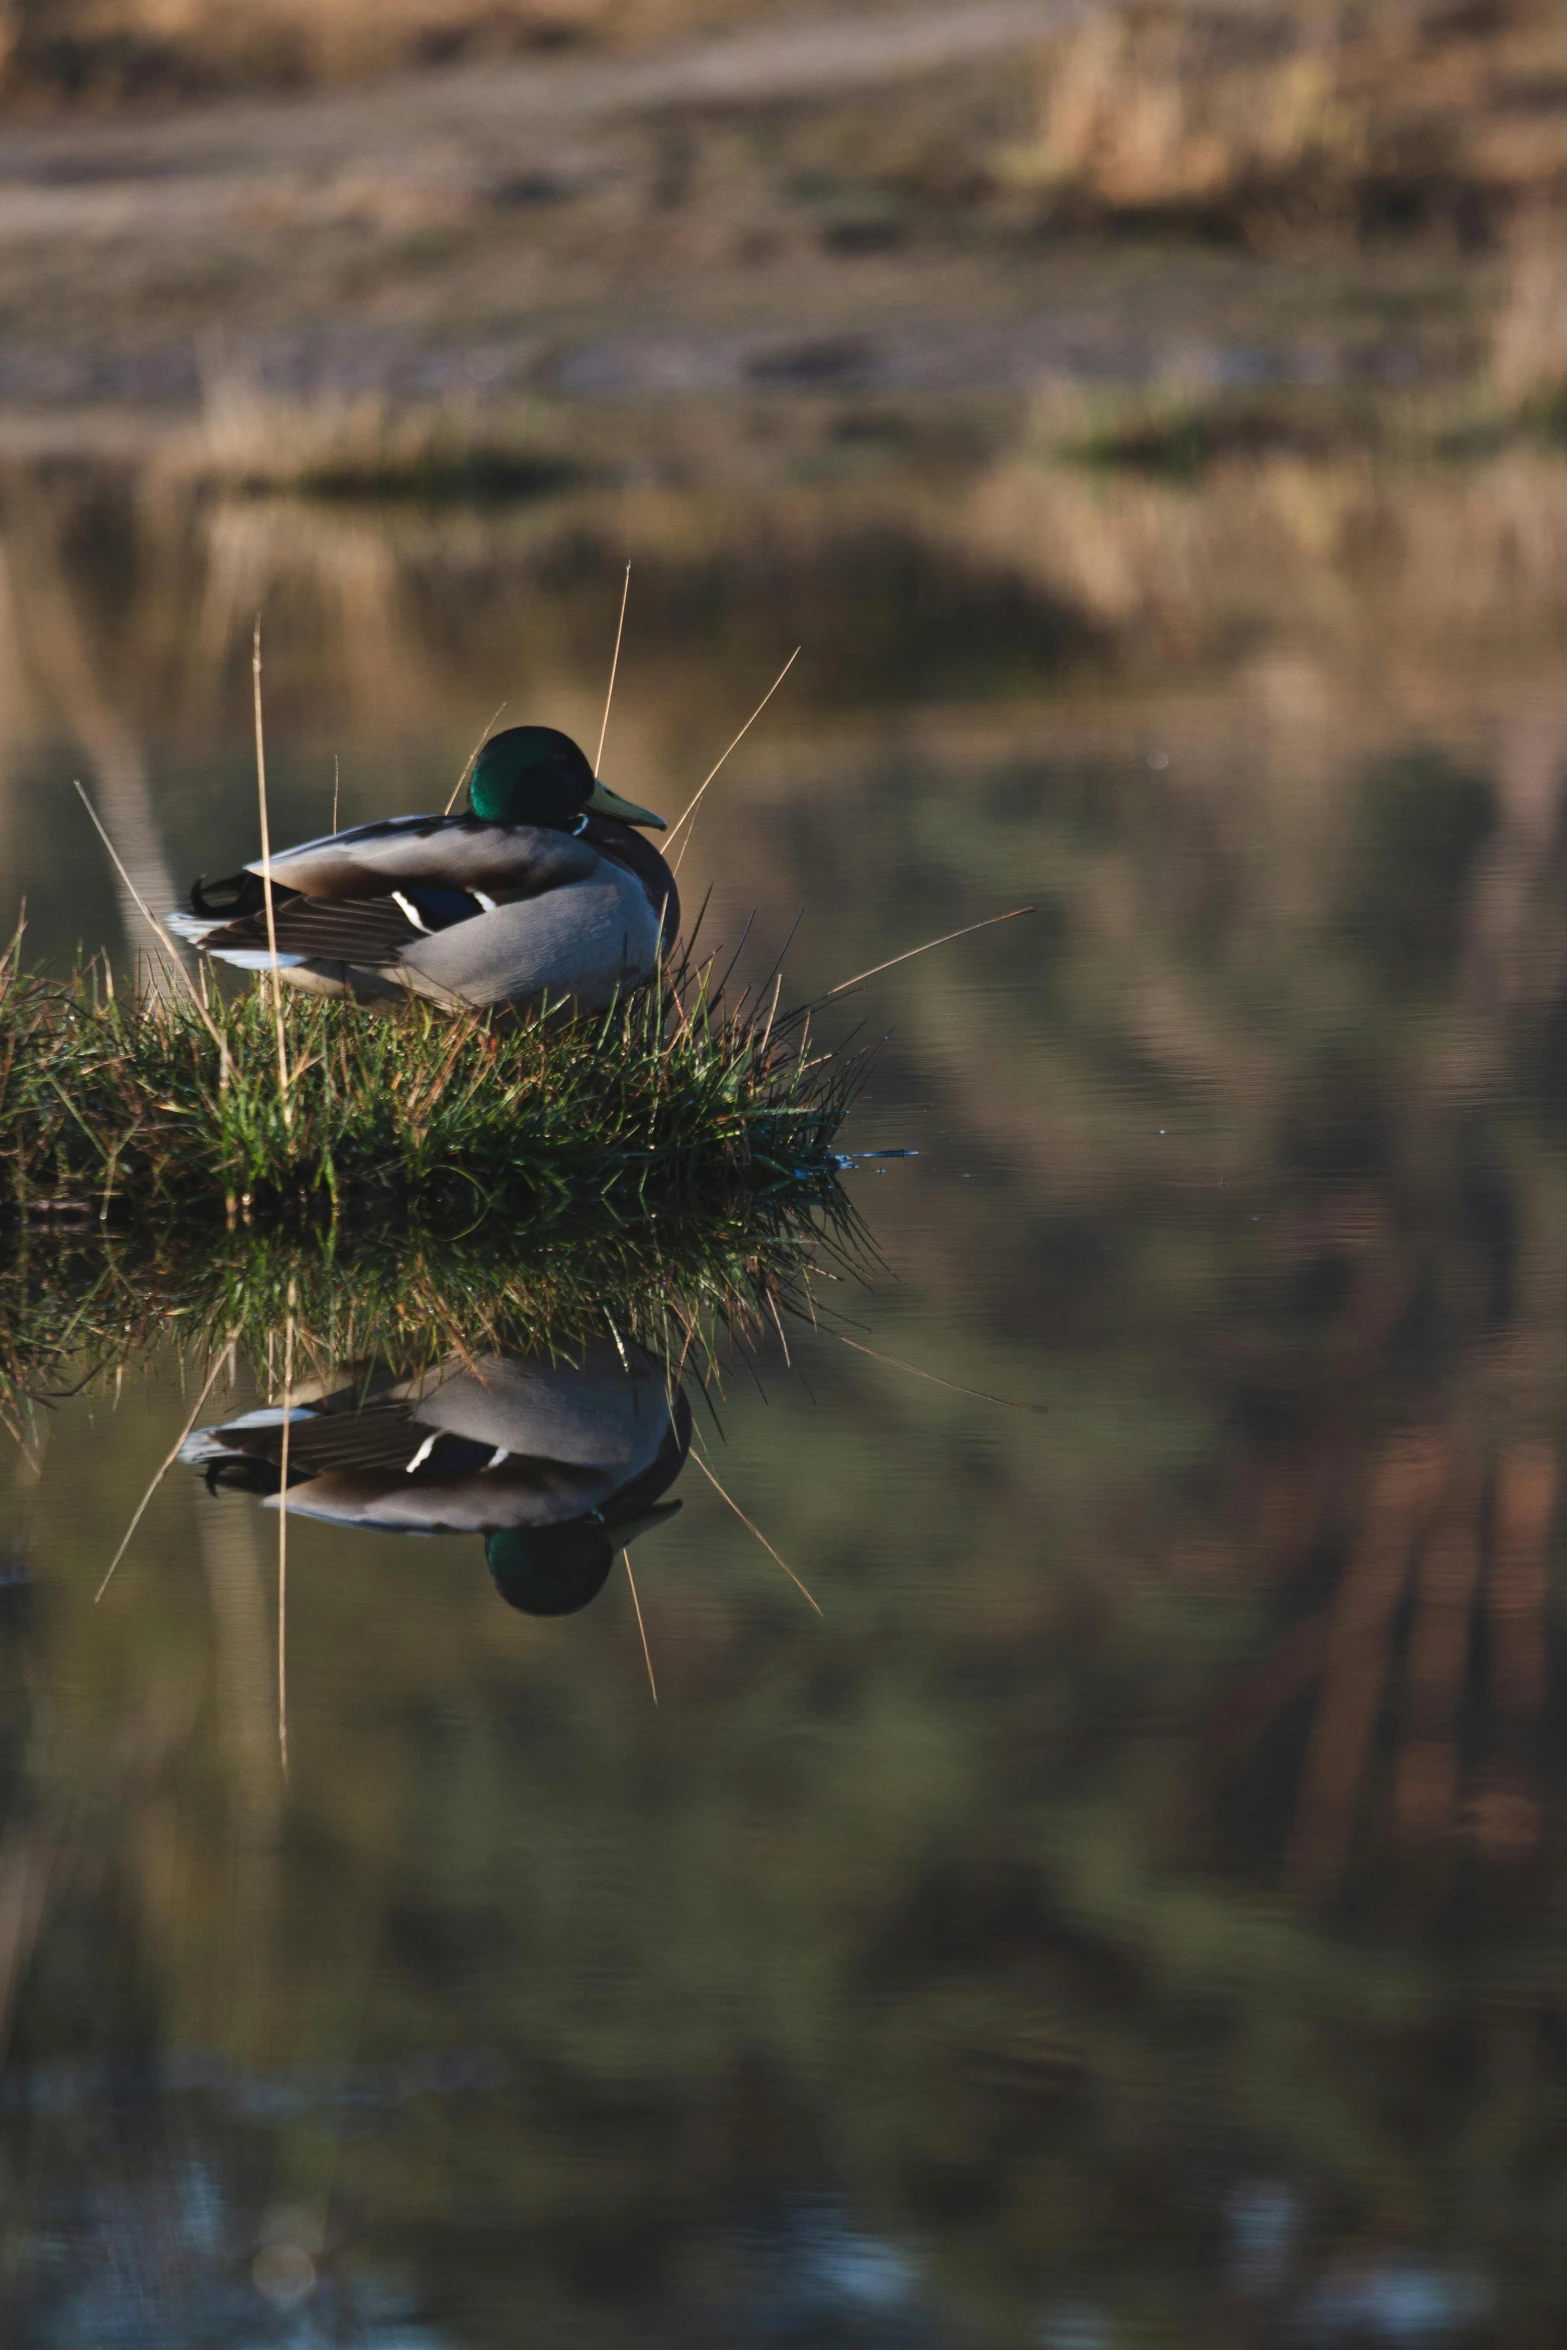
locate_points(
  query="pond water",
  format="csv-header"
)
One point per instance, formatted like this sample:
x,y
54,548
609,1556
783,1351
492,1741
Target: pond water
x,y
1133,1910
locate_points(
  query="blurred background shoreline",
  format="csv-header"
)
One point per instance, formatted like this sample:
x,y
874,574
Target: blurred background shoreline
x,y
1308,226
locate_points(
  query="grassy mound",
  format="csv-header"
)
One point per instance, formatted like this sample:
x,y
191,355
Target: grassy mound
x,y
125,1111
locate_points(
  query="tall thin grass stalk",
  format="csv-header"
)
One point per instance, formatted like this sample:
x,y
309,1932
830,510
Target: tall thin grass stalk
x,y
696,1455
266,875
979,1394
614,665
647,1653
690,809
909,954
282,1533
167,1464
197,997
468,763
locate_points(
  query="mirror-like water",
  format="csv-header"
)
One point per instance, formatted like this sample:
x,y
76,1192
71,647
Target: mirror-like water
x,y
1131,1911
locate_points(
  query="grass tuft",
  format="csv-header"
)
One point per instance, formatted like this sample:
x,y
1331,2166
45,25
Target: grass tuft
x,y
116,1109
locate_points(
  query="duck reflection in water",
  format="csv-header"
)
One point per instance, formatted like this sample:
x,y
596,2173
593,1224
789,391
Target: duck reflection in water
x,y
558,1465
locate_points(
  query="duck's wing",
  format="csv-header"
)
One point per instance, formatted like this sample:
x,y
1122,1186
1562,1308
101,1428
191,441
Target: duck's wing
x,y
380,1465
431,852
608,1409
343,930
248,1451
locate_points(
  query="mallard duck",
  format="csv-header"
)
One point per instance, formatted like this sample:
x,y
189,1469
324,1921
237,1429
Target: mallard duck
x,y
542,890
557,1465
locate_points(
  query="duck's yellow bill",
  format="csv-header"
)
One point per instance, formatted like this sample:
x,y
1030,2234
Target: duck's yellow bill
x,y
630,1529
609,803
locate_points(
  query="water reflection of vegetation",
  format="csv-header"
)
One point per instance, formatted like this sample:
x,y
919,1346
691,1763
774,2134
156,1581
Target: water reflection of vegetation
x,y
76,1306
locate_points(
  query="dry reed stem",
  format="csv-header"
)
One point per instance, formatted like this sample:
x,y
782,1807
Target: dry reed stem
x,y
173,1456
266,875
695,802
156,928
614,664
472,756
750,1528
647,1653
1041,1411
282,1533
909,954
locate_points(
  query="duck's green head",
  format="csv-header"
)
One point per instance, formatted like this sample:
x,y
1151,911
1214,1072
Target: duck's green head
x,y
554,1570
536,775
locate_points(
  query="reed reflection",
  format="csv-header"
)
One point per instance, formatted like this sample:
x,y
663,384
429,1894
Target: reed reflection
x,y
558,1466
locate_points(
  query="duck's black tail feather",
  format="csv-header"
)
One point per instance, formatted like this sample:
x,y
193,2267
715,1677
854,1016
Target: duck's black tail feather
x,y
230,900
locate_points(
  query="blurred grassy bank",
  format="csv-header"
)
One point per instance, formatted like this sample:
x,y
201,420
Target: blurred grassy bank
x,y
1287,117
891,202
107,52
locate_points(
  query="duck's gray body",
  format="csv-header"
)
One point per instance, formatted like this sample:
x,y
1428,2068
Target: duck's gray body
x,y
550,916
585,943
510,1442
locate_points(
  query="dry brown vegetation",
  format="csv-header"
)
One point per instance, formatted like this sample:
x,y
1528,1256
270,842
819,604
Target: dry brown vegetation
x,y
104,51
344,444
1316,115
1293,117
1388,566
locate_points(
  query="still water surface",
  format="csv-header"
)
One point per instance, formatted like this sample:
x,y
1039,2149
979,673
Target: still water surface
x,y
1132,1912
